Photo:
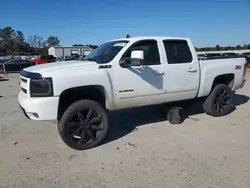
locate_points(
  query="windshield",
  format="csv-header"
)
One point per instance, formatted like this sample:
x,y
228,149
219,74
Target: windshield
x,y
105,52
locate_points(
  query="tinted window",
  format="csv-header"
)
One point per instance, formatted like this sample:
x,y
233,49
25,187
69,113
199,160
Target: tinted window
x,y
150,49
177,51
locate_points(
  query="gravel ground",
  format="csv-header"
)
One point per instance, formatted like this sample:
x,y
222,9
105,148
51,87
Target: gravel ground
x,y
142,149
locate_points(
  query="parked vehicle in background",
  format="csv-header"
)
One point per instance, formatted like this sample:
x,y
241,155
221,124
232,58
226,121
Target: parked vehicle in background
x,y
230,54
16,65
2,61
126,73
208,55
201,56
68,58
44,59
247,56
81,57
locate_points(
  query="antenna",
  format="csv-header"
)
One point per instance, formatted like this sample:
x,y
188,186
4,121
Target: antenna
x,y
128,36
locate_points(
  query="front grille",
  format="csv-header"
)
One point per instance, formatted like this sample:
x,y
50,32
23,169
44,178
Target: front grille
x,y
24,85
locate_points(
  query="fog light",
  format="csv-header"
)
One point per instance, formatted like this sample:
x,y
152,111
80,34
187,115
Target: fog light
x,y
36,115
32,114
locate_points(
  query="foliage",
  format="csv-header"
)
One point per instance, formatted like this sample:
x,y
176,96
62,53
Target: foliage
x,y
220,48
13,42
53,41
90,45
78,45
36,41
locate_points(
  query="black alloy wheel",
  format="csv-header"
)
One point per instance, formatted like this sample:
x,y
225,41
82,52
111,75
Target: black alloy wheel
x,y
219,102
87,125
83,125
222,100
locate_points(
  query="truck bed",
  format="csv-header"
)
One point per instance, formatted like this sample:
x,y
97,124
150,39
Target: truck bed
x,y
212,67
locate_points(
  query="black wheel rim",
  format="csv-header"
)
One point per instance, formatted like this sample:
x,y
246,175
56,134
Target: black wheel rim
x,y
222,100
85,126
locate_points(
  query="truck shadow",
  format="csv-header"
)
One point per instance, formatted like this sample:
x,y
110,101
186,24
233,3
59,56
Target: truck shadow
x,y
124,122
147,73
238,100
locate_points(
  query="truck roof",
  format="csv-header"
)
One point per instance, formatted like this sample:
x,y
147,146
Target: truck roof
x,y
150,37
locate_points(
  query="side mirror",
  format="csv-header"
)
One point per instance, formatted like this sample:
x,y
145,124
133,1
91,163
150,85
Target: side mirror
x,y
136,59
137,54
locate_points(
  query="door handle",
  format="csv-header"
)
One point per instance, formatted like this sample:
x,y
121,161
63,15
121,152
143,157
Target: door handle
x,y
157,73
190,69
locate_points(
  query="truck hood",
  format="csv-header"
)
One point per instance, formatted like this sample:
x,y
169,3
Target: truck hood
x,y
63,65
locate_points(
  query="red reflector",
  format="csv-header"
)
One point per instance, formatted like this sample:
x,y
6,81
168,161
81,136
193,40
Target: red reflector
x,y
237,67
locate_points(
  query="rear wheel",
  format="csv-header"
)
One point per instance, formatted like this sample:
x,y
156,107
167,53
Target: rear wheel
x,y
83,125
219,102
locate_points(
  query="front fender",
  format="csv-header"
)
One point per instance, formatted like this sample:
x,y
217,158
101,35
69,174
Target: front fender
x,y
101,80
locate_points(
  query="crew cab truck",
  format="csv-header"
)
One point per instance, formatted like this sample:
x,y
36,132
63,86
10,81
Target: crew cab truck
x,y
126,73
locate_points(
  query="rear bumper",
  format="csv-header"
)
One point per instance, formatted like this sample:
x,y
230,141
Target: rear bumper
x,y
39,108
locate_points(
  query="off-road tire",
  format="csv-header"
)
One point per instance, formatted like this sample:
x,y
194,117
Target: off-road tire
x,y
209,104
70,112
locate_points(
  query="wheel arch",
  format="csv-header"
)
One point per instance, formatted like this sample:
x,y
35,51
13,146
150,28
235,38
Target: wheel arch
x,y
208,84
96,93
227,79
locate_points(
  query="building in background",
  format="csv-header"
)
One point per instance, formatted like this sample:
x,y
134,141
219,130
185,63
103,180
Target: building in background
x,y
59,51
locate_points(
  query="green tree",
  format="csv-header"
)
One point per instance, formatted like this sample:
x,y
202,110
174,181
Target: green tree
x,y
78,45
7,35
20,37
36,41
53,41
92,46
238,47
19,44
217,47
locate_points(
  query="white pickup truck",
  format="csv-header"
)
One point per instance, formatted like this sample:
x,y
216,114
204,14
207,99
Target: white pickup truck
x,y
126,73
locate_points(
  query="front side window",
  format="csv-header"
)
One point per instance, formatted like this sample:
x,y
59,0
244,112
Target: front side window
x,y
105,52
177,51
150,49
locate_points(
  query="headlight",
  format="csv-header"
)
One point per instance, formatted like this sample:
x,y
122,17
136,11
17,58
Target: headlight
x,y
41,87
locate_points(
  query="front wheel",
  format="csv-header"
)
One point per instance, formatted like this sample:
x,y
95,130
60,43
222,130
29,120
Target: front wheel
x,y
83,125
219,102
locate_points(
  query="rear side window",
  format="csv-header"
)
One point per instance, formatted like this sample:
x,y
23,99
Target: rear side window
x,y
177,51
